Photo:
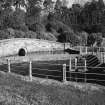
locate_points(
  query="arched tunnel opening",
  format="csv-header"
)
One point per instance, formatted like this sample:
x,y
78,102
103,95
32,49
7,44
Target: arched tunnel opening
x,y
22,52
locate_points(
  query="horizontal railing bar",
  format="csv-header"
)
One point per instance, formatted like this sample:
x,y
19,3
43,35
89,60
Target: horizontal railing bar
x,y
84,73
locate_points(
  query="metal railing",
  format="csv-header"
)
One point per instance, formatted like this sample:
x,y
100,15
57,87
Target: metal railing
x,y
63,72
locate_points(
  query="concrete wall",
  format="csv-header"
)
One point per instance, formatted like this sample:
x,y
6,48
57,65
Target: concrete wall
x,y
12,46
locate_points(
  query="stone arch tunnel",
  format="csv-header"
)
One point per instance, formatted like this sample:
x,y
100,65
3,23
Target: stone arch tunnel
x,y
21,52
22,46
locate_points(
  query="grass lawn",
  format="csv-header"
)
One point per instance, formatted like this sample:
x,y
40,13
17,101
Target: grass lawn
x,y
15,91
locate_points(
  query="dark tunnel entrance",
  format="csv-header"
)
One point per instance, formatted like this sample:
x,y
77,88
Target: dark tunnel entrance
x,y
22,52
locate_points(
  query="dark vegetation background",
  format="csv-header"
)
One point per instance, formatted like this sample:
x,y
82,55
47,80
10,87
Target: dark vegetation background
x,y
78,25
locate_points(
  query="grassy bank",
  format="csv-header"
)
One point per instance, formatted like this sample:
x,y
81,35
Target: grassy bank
x,y
15,91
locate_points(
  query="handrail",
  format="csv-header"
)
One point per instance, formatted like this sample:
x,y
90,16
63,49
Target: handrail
x,y
47,72
45,69
46,75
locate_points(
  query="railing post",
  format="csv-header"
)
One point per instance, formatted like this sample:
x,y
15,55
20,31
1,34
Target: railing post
x,y
76,69
85,82
75,63
81,50
85,70
64,47
70,64
86,50
30,70
64,72
99,49
99,53
70,67
9,66
103,56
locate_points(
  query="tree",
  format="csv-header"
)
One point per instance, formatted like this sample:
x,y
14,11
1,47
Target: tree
x,y
83,38
4,18
58,5
65,3
76,8
91,17
50,16
91,39
8,3
10,18
101,4
62,37
18,18
48,27
49,5
99,39
94,39
33,18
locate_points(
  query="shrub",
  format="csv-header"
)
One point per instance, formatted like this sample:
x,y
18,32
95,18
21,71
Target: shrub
x,y
46,36
48,27
94,39
99,39
23,28
83,37
30,34
4,34
36,27
19,34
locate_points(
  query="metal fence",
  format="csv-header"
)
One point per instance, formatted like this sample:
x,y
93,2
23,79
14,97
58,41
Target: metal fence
x,y
91,50
58,71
